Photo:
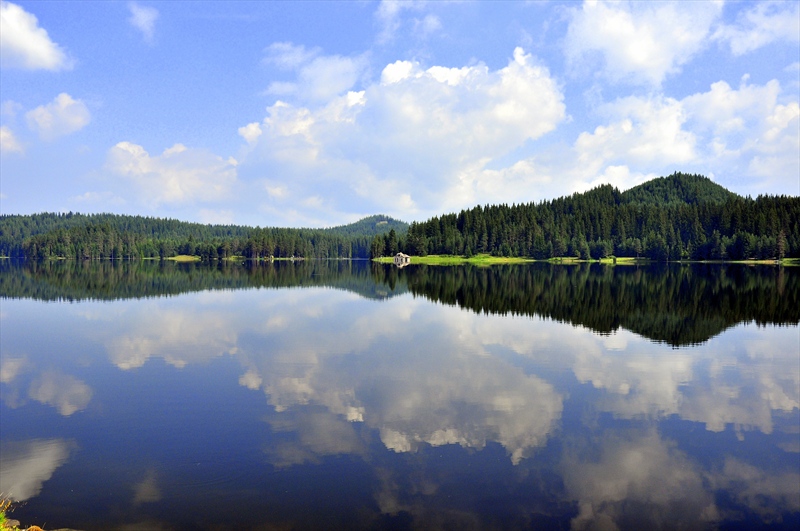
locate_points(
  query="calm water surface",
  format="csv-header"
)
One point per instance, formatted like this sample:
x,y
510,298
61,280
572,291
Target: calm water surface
x,y
349,396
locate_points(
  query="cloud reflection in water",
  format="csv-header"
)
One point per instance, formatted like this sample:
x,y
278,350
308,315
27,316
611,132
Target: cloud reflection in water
x,y
422,373
343,376
26,465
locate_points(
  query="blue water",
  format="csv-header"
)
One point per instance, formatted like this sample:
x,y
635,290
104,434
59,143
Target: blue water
x,y
317,408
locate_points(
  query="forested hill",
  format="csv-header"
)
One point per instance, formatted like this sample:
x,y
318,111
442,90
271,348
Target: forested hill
x,y
82,236
678,188
370,226
677,217
671,218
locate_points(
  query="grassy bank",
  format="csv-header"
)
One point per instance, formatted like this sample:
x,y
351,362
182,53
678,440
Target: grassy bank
x,y
487,260
446,260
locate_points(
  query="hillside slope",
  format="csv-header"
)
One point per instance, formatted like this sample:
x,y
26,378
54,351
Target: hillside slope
x,y
75,235
678,217
678,188
371,226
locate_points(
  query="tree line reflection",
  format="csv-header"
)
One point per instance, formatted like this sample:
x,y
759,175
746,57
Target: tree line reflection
x,y
675,304
114,280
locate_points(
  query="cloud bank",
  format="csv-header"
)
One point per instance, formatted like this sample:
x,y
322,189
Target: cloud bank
x,y
178,175
405,143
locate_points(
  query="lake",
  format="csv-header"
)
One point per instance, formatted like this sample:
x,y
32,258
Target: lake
x,y
349,395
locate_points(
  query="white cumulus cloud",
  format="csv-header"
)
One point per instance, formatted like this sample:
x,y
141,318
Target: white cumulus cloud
x,y
250,132
387,14
765,23
9,142
427,26
743,134
143,19
62,116
389,17
178,175
319,77
639,42
25,45
648,132
404,144
289,56
753,131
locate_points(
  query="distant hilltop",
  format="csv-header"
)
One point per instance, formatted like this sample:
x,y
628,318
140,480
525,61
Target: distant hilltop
x,y
679,188
371,226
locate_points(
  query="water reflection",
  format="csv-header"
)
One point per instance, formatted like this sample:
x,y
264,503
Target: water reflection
x,y
147,490
63,392
26,465
323,406
676,304
187,335
311,434
769,494
637,481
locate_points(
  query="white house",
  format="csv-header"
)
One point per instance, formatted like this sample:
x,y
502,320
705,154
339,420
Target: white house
x,y
401,259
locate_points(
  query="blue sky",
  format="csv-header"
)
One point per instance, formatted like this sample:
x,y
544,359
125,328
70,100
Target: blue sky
x,y
320,113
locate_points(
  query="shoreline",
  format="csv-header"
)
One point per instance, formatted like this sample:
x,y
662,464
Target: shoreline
x,y
488,260
448,260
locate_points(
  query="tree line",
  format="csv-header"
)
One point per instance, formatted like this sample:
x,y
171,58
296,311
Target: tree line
x,y
672,218
678,217
110,236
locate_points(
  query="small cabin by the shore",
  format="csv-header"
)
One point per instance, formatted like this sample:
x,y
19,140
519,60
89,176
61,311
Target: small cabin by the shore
x,y
401,259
